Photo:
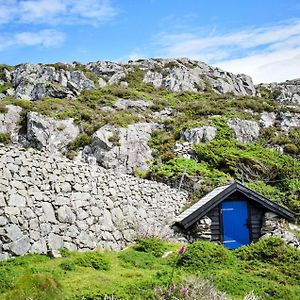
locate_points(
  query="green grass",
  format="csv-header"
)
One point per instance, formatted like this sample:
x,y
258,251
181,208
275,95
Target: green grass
x,y
269,268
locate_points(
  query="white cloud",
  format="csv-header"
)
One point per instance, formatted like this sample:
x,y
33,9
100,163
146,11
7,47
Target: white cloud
x,y
46,38
269,53
56,11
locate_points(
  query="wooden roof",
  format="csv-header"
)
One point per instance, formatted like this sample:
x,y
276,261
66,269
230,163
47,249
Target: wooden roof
x,y
187,218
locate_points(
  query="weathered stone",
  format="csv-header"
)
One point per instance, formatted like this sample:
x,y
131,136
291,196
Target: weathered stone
x,y
48,134
49,215
65,214
10,122
16,200
13,232
198,135
124,149
245,131
39,247
55,242
20,246
34,82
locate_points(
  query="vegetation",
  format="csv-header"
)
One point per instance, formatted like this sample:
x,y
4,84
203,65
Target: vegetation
x,y
268,268
5,138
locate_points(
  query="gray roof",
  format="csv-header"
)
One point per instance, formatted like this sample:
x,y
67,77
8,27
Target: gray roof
x,y
201,202
219,194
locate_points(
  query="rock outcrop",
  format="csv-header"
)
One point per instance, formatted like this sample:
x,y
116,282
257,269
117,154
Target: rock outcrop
x,y
284,91
10,122
246,131
122,149
37,81
34,82
47,203
198,135
49,135
177,75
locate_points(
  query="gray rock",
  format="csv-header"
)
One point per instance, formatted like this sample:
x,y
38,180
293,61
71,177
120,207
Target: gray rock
x,y
48,134
245,131
13,232
49,215
16,200
288,120
125,104
10,122
124,149
284,91
65,215
55,242
198,135
39,247
20,246
34,82
267,119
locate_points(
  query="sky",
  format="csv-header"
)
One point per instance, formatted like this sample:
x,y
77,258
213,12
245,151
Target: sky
x,y
260,38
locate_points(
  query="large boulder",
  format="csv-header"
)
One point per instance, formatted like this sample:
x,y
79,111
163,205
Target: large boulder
x,y
50,135
198,135
10,122
35,81
122,149
246,131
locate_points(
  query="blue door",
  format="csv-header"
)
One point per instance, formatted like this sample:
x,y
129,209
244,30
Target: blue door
x,y
235,227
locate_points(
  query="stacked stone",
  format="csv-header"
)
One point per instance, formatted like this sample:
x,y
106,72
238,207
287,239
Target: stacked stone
x,y
47,203
273,225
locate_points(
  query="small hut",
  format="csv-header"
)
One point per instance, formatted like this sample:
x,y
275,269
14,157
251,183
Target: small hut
x,y
233,215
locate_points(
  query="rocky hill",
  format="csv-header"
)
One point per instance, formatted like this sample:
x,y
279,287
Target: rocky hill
x,y
178,121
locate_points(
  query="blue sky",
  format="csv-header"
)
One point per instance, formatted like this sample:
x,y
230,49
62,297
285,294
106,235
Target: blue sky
x,y
259,38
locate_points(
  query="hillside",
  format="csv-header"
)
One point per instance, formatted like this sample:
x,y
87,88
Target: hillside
x,y
160,119
110,142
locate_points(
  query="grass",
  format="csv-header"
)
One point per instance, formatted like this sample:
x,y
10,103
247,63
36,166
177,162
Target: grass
x,y
269,268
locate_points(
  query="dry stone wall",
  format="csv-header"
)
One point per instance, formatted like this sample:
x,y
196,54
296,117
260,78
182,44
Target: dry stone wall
x,y
48,202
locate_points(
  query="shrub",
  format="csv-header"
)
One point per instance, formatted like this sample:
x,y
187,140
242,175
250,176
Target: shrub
x,y
153,245
5,138
202,254
265,249
3,109
93,259
36,287
68,265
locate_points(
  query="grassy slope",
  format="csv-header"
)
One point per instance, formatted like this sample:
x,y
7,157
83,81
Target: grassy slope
x,y
268,268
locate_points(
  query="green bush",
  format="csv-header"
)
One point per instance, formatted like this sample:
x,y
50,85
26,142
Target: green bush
x,y
265,249
93,259
153,245
68,265
201,255
36,287
80,141
5,138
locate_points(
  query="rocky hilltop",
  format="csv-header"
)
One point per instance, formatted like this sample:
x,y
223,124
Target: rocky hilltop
x,y
178,121
34,82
